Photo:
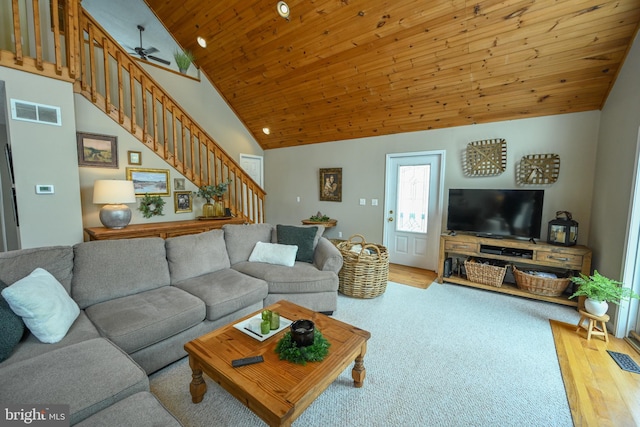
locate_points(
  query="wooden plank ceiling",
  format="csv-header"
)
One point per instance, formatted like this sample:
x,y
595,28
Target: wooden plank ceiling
x,y
343,69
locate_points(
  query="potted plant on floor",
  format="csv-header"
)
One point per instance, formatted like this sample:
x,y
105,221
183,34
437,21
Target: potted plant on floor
x,y
599,291
183,60
212,192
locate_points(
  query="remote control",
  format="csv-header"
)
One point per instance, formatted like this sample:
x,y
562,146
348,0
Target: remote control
x,y
246,361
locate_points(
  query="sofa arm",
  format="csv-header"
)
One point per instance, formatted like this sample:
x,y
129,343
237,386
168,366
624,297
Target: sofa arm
x,y
327,257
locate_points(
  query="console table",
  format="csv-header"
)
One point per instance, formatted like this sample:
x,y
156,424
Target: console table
x,y
160,229
519,252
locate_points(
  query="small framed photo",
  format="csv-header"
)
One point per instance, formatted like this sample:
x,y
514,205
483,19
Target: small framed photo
x,y
96,150
135,157
331,185
178,184
154,182
182,201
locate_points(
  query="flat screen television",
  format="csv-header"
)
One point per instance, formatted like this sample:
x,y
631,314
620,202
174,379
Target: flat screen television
x,y
496,213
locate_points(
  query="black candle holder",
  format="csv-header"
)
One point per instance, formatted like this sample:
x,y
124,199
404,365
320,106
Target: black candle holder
x,y
302,332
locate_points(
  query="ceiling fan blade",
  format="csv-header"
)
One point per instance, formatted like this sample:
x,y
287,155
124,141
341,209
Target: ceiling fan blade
x,y
155,58
150,50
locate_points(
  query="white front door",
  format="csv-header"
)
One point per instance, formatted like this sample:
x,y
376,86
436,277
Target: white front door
x,y
413,217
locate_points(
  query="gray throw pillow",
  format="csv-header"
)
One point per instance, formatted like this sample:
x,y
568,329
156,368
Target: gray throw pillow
x,y
11,327
302,237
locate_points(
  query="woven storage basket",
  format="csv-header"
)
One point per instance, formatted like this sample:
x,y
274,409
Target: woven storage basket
x,y
484,273
363,274
540,285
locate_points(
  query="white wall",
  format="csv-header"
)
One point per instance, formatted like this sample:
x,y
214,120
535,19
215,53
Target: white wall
x,y
292,172
614,169
45,154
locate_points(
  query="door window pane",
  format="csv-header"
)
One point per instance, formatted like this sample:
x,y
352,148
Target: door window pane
x,y
413,198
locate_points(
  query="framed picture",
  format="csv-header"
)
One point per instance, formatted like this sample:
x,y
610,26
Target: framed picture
x,y
135,157
154,182
97,150
182,201
178,184
331,185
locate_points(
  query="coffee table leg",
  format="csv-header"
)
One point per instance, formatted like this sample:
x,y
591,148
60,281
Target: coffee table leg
x,y
197,387
359,372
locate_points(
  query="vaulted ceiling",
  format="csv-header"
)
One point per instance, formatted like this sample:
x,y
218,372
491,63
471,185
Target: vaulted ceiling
x,y
343,69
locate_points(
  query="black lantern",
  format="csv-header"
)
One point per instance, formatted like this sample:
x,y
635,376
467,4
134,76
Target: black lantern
x,y
563,232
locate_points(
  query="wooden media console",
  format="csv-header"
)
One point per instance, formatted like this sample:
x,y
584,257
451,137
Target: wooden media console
x,y
523,253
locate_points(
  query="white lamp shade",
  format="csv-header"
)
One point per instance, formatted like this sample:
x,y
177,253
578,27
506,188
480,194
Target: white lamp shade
x,y
111,191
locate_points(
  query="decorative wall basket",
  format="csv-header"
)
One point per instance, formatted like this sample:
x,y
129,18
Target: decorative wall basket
x,y
485,158
538,169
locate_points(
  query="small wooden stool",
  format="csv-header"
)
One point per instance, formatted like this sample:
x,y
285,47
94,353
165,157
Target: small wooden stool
x,y
592,327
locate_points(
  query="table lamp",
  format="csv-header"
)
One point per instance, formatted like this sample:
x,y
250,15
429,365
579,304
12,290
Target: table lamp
x,y
113,194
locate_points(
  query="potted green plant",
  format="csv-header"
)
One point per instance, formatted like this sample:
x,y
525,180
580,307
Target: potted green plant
x,y
183,60
212,192
599,291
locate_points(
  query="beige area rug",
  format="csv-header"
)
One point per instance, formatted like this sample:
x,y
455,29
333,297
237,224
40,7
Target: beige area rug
x,y
445,356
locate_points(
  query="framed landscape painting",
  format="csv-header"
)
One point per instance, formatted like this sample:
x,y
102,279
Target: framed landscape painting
x,y
154,182
97,150
331,185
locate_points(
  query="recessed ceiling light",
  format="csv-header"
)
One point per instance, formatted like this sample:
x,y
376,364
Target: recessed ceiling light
x,y
266,131
283,9
202,42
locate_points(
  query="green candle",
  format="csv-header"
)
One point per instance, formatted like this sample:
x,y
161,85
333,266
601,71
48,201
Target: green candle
x,y
275,320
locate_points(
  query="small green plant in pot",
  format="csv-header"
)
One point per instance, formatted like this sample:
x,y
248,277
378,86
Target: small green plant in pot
x,y
599,291
212,192
183,60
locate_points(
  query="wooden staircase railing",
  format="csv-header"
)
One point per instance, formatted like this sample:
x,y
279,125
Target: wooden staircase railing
x,y
106,75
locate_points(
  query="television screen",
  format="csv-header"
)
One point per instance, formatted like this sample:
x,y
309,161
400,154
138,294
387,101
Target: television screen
x,y
508,213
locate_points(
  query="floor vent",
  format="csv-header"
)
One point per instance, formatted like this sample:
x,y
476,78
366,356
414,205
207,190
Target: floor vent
x,y
38,113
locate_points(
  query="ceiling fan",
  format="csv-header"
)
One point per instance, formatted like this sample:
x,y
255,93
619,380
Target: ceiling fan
x,y
145,53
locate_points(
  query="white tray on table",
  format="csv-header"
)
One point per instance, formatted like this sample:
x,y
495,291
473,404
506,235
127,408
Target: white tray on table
x,y
246,327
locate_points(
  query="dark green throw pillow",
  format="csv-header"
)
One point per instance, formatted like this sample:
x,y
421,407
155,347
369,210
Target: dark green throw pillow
x,y
11,327
302,237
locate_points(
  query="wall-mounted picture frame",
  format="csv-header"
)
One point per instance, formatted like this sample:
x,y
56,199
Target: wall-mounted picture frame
x,y
135,157
154,182
178,184
182,201
331,185
95,150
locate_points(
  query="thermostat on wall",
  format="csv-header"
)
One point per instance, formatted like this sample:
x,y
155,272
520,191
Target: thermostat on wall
x,y
44,189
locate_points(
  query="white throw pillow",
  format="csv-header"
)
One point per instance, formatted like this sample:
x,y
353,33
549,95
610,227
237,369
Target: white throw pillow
x,y
44,305
274,253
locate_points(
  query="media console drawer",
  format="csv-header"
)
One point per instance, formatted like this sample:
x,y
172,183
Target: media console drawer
x,y
461,247
567,260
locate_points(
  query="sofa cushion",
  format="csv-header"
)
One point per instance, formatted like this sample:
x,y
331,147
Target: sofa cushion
x,y
57,260
81,330
225,291
137,321
274,253
302,237
196,254
44,305
108,269
11,327
241,239
140,410
88,376
300,278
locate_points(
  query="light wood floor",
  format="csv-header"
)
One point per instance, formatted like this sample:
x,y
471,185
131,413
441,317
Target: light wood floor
x,y
598,391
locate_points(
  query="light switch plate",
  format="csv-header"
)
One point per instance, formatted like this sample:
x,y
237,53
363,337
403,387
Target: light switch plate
x,y
363,202
374,202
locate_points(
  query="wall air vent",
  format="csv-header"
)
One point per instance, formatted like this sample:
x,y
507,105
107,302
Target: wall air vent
x,y
38,113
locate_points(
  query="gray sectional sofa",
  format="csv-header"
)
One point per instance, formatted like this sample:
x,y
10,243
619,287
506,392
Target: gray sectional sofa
x,y
141,300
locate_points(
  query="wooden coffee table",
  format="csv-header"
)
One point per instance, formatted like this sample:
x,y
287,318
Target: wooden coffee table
x,y
276,390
